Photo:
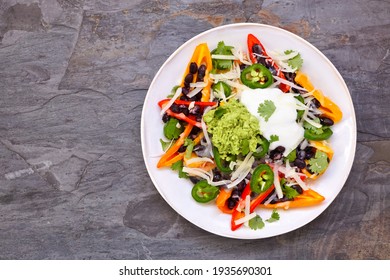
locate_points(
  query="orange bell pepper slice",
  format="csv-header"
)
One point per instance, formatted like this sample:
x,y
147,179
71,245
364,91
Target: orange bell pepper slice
x,y
307,198
171,153
201,56
221,201
328,108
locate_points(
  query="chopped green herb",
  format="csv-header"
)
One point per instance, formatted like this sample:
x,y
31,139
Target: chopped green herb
x,y
178,166
319,163
173,91
173,129
289,192
314,129
274,216
295,62
256,223
266,109
273,138
165,145
190,146
222,64
292,155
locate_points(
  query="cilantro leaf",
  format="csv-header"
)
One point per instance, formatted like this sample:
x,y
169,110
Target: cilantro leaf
x,y
274,216
256,223
173,129
190,146
289,192
266,109
295,62
319,163
178,166
165,145
222,64
292,155
312,128
273,138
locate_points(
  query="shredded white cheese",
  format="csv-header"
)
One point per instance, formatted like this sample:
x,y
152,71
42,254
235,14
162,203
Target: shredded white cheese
x,y
194,92
223,57
170,102
245,219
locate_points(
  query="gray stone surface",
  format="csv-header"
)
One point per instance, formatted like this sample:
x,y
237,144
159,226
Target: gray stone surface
x,y
73,77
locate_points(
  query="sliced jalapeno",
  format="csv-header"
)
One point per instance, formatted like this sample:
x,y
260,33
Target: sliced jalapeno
x,y
219,162
262,178
318,137
264,146
256,76
221,86
204,192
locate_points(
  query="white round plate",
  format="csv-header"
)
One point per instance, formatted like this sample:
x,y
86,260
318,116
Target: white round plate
x,y
322,73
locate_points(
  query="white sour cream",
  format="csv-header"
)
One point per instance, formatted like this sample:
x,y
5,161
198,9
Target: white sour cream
x,y
282,122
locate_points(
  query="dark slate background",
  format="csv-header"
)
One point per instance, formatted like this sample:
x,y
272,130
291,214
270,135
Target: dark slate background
x,y
73,77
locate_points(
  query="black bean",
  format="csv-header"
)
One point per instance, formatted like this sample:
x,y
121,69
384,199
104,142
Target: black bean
x,y
275,155
280,149
194,179
241,186
183,109
300,163
185,90
310,152
326,121
197,97
297,188
198,148
231,203
290,76
301,154
165,117
175,108
202,70
195,130
257,49
316,102
193,68
182,149
217,175
189,78
195,110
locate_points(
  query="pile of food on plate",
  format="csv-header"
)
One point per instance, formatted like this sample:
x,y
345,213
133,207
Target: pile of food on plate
x,y
249,129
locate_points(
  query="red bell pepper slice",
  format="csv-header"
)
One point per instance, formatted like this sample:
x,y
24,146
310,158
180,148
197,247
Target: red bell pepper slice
x,y
186,102
254,203
252,40
179,116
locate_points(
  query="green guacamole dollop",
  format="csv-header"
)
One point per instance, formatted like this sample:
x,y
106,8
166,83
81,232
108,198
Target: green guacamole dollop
x,y
233,129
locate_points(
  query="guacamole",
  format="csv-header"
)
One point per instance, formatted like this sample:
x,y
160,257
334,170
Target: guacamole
x,y
233,129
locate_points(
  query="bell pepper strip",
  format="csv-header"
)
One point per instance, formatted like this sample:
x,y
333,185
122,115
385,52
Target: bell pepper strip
x,y
256,76
262,178
201,56
204,192
252,41
180,156
254,203
179,116
328,108
236,213
307,198
171,152
186,102
223,196
219,162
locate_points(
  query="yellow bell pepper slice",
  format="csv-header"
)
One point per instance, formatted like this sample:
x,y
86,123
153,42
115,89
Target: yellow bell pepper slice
x,y
328,108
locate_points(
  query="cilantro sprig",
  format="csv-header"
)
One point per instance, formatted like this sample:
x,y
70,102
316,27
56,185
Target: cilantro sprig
x,y
266,109
222,49
319,162
295,62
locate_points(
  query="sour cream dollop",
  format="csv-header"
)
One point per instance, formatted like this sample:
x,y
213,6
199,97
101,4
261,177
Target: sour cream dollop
x,y
282,122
